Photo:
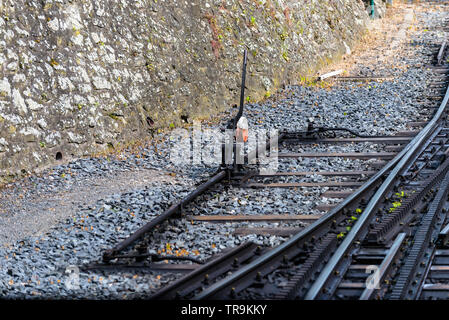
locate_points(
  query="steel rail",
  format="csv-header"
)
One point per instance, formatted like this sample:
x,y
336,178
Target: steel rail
x,y
421,242
212,269
440,53
410,149
175,208
397,162
385,265
308,231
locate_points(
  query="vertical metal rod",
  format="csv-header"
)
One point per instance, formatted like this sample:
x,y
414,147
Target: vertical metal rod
x,y
239,114
242,90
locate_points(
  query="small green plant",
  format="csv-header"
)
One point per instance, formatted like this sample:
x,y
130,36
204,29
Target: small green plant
x,y
396,204
113,116
400,194
252,22
283,36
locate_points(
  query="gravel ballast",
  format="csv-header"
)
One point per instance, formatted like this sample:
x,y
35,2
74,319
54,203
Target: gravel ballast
x,y
67,216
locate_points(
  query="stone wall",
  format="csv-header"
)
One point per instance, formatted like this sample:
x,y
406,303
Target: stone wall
x,y
82,76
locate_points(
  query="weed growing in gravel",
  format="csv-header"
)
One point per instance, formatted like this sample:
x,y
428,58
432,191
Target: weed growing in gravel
x,y
396,204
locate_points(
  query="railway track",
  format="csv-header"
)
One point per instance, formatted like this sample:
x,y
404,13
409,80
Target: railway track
x,y
388,229
383,241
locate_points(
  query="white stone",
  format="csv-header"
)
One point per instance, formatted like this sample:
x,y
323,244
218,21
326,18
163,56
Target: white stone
x,y
52,138
100,12
13,66
75,138
21,32
18,101
101,83
30,131
19,77
9,35
33,105
73,18
348,50
36,156
82,73
77,39
3,142
109,58
42,123
78,99
53,24
65,103
5,86
49,69
11,55
65,83
12,118
27,92
95,37
85,88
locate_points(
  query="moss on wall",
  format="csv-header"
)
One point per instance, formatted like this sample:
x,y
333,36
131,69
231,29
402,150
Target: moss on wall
x,y
78,77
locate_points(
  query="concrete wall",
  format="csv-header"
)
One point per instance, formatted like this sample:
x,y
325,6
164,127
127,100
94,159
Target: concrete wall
x,y
82,76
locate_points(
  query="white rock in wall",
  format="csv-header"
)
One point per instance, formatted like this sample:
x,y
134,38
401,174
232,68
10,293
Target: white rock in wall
x,y
3,142
52,139
30,131
19,77
42,123
348,50
33,105
5,87
9,35
76,138
85,88
95,37
78,39
65,83
73,18
19,102
101,83
53,24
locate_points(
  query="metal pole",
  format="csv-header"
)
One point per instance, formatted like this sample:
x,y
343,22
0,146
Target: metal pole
x,y
239,114
242,90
